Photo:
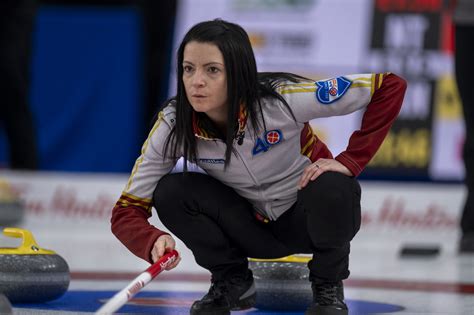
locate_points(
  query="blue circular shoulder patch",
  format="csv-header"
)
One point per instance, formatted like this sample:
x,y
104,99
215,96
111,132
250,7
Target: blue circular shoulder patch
x,y
331,90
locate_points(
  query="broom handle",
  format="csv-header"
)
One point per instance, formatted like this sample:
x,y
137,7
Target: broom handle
x,y
122,297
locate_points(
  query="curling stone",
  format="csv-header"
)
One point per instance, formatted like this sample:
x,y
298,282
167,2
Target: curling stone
x,y
30,274
11,207
283,283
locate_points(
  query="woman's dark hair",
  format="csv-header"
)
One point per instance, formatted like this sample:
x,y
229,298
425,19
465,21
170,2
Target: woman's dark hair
x,y
244,86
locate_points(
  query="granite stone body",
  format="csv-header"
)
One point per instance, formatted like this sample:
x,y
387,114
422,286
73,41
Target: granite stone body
x,y
33,278
281,285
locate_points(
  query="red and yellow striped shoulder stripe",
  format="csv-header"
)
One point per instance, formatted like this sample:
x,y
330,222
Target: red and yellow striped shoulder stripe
x,y
311,146
308,140
376,82
127,200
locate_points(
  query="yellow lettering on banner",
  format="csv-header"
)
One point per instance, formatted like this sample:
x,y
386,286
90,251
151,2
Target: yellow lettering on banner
x,y
385,154
405,148
257,40
447,101
422,148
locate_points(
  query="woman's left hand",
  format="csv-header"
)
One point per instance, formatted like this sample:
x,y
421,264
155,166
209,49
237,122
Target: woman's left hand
x,y
311,172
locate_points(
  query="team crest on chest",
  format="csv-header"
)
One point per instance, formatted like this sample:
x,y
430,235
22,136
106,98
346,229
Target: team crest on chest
x,y
269,139
331,90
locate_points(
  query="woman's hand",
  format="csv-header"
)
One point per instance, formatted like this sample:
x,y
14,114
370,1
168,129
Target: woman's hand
x,y
163,244
311,172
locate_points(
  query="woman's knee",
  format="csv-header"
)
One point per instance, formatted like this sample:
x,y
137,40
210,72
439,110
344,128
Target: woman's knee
x,y
173,198
332,187
173,188
168,189
176,190
332,204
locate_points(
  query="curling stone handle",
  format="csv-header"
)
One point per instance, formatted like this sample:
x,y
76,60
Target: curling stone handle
x,y
28,245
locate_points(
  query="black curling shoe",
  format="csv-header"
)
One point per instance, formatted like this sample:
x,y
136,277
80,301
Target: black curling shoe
x,y
234,294
328,299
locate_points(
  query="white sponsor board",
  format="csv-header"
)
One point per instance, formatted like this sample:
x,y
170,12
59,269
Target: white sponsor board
x,y
448,131
70,213
306,36
396,214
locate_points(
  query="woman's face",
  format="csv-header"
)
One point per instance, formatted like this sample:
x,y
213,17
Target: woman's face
x,y
205,79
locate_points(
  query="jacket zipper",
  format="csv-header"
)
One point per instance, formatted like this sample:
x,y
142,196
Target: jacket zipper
x,y
260,193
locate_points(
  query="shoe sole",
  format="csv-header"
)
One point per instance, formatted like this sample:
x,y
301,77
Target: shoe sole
x,y
244,304
324,310
223,312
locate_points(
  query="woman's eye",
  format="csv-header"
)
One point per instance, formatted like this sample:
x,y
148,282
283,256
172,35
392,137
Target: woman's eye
x,y
187,68
213,69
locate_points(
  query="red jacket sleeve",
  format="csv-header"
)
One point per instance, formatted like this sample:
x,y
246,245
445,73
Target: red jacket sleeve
x,y
379,116
130,225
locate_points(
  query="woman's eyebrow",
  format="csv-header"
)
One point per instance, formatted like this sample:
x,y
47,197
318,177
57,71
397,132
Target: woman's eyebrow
x,y
206,64
213,63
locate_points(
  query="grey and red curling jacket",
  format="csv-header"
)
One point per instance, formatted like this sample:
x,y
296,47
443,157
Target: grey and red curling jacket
x,y
265,168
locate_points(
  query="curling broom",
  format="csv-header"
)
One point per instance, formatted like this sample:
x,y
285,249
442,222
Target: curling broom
x,y
119,299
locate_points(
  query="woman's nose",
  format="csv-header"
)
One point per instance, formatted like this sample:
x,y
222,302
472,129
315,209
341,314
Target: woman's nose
x,y
199,79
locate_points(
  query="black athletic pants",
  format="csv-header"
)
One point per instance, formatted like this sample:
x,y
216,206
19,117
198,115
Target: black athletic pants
x,y
221,229
464,65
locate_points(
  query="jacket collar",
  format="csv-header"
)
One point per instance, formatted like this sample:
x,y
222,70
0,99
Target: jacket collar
x,y
201,133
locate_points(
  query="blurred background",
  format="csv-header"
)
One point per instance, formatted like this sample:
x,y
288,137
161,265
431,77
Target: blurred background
x,y
98,69
91,75
80,82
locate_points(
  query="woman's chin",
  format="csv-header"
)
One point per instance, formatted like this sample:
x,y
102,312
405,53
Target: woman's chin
x,y
198,109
